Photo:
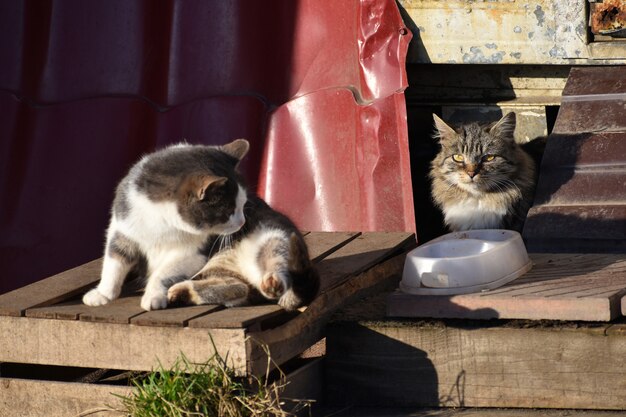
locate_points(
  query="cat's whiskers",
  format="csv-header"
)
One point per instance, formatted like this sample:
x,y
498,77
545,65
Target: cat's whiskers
x,y
505,182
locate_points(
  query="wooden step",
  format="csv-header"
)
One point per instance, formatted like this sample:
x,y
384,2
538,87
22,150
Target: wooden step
x,y
580,201
375,361
585,287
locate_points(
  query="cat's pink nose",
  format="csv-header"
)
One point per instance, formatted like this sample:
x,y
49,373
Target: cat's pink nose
x,y
471,174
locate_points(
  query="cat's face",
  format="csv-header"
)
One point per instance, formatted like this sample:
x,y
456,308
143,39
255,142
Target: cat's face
x,y
202,185
477,158
217,206
213,201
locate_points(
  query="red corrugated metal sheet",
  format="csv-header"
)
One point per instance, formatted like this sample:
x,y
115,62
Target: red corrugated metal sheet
x,y
87,86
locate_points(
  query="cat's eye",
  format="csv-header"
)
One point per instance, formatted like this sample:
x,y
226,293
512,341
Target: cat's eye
x,y
457,158
488,158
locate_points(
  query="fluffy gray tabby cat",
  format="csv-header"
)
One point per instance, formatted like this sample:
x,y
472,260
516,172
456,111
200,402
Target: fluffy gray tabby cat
x,y
481,178
183,212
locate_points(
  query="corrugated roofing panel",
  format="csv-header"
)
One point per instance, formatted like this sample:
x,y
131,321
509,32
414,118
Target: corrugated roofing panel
x,y
86,87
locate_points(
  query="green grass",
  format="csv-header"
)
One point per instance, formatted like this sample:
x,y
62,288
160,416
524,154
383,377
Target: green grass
x,y
209,389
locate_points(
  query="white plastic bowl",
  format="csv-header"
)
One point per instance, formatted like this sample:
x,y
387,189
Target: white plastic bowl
x,y
465,262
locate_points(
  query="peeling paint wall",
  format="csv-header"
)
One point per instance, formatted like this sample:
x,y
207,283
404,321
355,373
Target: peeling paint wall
x,y
505,32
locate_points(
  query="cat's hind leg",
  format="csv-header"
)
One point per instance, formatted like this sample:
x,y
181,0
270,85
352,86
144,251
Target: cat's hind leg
x,y
120,256
219,286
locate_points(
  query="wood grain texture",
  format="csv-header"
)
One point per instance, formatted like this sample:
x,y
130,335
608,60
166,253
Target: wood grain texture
x,y
51,290
173,317
33,398
237,317
491,366
70,310
359,254
585,287
322,244
120,310
113,346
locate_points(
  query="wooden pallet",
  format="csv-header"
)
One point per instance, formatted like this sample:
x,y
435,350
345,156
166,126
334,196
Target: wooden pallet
x,y
586,287
46,323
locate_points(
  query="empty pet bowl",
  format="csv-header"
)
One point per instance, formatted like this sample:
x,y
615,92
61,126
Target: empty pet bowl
x,y
465,262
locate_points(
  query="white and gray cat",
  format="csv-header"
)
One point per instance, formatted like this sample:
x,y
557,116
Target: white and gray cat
x,y
481,178
184,214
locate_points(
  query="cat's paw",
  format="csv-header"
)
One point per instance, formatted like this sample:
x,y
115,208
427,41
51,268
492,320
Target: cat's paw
x,y
290,301
153,301
182,293
95,298
273,285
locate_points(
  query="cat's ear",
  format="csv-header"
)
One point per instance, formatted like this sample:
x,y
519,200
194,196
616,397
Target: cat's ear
x,y
202,183
237,148
504,127
298,257
444,132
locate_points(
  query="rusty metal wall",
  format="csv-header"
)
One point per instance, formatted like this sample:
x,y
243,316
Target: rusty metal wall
x,y
87,86
506,32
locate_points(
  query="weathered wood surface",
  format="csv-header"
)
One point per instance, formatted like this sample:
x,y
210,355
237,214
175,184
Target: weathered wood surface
x,y
323,244
33,398
59,330
112,345
585,287
237,317
468,365
362,253
173,317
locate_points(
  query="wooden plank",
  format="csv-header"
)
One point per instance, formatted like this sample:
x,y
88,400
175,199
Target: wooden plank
x,y
298,334
112,345
237,317
120,310
173,317
585,287
361,253
51,290
322,244
32,398
429,363
70,310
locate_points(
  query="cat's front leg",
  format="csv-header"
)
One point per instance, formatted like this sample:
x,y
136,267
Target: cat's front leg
x,y
170,272
120,256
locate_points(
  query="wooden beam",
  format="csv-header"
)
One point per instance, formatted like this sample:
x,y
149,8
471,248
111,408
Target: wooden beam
x,y
112,345
476,364
32,398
